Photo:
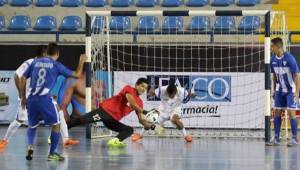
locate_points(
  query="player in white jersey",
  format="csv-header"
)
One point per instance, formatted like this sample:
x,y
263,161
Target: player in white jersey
x,y
172,98
22,112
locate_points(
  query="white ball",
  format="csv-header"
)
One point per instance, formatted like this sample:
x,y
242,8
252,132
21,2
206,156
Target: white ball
x,y
152,116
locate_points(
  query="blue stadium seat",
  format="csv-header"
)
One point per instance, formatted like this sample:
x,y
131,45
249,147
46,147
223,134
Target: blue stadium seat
x,y
19,22
120,23
221,2
2,2
45,3
20,2
2,22
200,23
96,3
172,3
250,23
196,3
248,2
71,3
71,23
98,23
121,3
172,23
45,23
224,23
148,23
146,3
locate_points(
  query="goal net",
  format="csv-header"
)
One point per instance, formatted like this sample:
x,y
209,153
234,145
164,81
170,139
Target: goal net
x,y
220,56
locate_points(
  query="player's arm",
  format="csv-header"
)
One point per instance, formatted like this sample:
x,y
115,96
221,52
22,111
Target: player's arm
x,y
22,81
133,103
297,84
144,122
295,71
273,88
273,79
79,69
152,92
17,83
140,111
187,95
22,91
20,72
63,70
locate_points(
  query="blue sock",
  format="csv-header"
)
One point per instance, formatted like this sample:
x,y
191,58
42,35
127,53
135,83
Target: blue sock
x,y
31,135
294,126
54,141
277,126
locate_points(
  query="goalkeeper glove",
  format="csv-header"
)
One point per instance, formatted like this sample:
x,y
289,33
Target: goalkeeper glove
x,y
145,112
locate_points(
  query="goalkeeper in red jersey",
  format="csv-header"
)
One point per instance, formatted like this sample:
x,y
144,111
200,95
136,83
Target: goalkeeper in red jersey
x,y
112,110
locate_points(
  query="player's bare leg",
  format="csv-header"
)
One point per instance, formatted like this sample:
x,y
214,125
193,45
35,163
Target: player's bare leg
x,y
179,125
294,127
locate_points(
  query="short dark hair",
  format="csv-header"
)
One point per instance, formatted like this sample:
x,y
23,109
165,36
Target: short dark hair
x,y
172,89
52,49
41,50
277,41
141,80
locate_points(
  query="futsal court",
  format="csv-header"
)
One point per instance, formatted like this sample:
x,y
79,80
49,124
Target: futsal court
x,y
153,153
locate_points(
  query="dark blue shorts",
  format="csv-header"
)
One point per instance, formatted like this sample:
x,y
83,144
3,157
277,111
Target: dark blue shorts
x,y
42,108
285,101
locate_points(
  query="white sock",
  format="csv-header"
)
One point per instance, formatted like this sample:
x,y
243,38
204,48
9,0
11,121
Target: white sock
x,y
12,129
183,132
63,127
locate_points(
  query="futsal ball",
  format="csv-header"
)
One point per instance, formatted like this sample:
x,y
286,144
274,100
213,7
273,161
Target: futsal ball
x,y
152,116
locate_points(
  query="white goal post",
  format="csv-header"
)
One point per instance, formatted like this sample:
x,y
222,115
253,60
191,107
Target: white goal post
x,y
215,59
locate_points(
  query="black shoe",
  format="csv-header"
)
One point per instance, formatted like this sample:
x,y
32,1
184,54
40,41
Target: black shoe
x,y
29,154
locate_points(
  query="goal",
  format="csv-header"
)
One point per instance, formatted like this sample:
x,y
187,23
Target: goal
x,y
207,52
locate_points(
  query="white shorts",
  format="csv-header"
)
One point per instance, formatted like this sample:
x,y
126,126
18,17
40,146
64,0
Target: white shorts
x,y
167,115
22,114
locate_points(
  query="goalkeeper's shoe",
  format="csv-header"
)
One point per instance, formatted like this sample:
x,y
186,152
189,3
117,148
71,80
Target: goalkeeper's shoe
x,y
55,157
3,143
70,142
136,137
115,142
273,142
188,138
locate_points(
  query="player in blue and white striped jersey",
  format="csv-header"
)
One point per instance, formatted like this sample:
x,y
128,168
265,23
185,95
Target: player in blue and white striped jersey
x,y
22,112
43,73
285,89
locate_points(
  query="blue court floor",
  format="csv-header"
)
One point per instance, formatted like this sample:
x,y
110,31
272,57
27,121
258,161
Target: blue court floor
x,y
152,154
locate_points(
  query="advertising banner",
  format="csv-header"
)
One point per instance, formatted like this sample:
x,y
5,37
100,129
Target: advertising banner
x,y
222,100
8,96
